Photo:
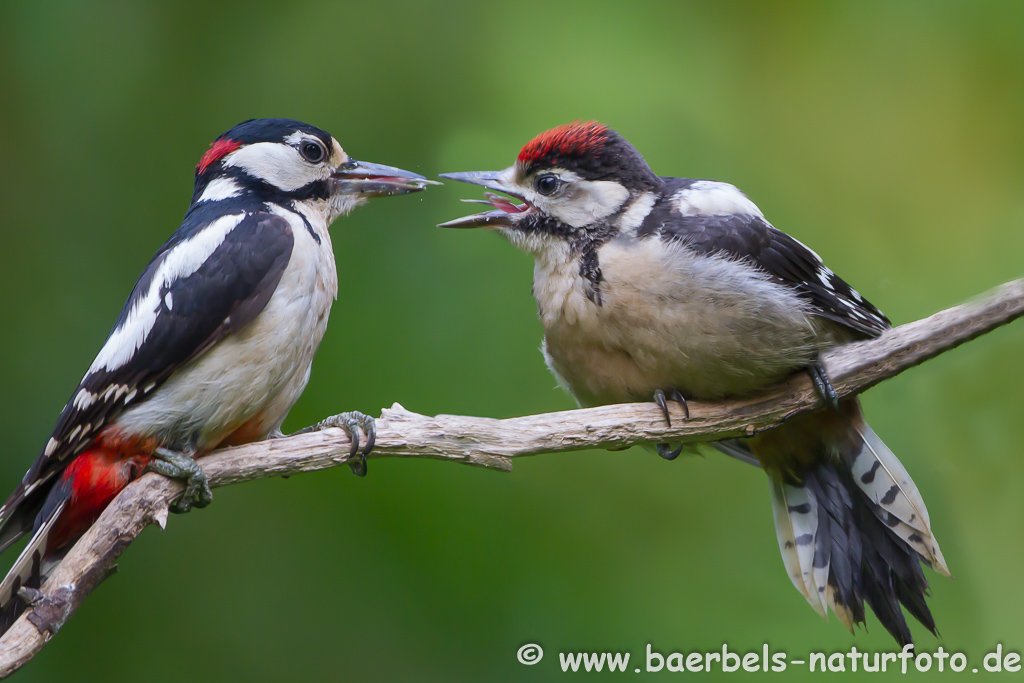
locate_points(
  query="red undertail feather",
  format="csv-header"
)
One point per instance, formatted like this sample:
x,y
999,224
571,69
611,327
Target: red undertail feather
x,y
75,500
578,137
94,478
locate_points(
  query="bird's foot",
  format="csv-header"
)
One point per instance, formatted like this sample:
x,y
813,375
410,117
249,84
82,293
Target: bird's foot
x,y
674,395
664,449
351,423
822,384
183,466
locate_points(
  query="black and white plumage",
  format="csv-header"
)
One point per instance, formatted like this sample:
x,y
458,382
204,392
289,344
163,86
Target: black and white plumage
x,y
213,278
215,343
650,286
716,218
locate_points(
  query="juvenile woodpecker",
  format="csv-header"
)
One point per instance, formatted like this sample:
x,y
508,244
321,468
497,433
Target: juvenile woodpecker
x,y
652,286
215,343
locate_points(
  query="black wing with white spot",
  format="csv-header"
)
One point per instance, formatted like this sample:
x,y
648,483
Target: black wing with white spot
x,y
213,277
750,237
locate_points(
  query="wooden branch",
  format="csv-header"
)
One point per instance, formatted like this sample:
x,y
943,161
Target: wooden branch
x,y
492,443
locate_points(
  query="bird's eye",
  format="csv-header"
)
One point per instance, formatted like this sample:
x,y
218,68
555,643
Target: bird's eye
x,y
547,184
312,151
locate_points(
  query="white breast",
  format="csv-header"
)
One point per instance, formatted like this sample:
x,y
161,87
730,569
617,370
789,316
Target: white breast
x,y
259,373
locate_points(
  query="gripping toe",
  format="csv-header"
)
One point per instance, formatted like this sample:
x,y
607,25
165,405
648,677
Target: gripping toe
x,y
183,466
354,424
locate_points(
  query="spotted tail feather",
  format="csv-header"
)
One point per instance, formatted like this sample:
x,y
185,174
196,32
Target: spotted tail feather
x,y
796,522
852,527
896,500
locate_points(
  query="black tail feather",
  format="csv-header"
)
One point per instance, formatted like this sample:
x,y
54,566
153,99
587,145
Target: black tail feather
x,y
868,563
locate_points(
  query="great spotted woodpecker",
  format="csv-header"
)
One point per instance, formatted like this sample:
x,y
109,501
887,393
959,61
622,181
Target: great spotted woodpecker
x,y
215,343
650,286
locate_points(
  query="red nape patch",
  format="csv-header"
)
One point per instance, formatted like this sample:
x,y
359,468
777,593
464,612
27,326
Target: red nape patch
x,y
217,151
574,138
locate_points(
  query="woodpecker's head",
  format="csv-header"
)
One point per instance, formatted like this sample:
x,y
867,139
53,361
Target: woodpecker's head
x,y
575,183
283,161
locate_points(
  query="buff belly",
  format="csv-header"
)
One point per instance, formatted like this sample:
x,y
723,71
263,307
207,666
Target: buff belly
x,y
710,327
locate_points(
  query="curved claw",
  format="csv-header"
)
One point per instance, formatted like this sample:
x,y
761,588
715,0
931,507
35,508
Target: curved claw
x,y
681,400
823,384
659,398
665,451
349,426
183,466
370,429
675,395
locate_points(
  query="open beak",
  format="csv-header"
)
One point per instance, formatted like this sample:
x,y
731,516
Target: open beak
x,y
376,180
504,209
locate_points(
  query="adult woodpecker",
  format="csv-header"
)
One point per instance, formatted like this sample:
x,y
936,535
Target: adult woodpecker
x,y
650,286
214,345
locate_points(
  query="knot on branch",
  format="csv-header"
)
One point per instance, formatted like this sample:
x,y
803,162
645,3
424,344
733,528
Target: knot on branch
x,y
48,612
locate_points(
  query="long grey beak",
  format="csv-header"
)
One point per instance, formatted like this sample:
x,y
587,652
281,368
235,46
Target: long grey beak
x,y
501,216
489,179
376,180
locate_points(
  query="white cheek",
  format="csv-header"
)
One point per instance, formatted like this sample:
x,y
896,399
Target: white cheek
x,y
590,201
277,164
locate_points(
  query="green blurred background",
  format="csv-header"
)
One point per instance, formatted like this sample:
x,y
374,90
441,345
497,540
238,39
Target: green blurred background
x,y
886,135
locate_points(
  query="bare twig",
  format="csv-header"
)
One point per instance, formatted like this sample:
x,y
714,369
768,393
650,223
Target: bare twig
x,y
492,444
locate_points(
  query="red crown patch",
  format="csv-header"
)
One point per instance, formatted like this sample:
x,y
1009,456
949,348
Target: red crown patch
x,y
578,137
